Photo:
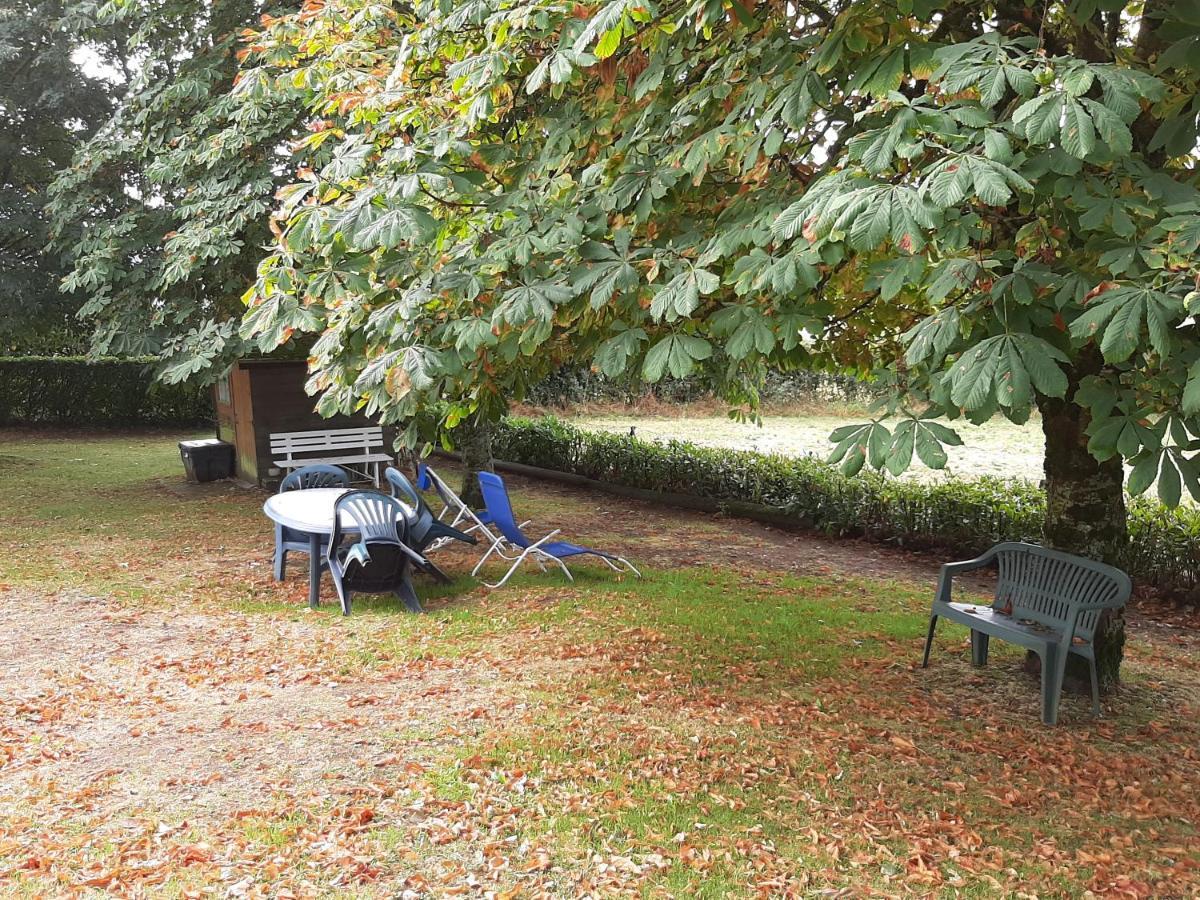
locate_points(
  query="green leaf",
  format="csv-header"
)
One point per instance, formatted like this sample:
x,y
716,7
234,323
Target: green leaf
x,y
654,366
676,298
1041,360
1097,395
948,184
790,223
677,354
681,295
1170,487
1104,435
900,272
609,17
1182,53
697,348
878,444
532,303
990,185
1118,315
973,375
886,76
1121,336
1078,133
899,456
539,75
650,79
996,146
1142,475
1003,368
929,446
854,442
1077,80
1189,470
391,227
930,339
1113,132
872,226
1013,385
754,334
1191,390
608,43
877,157
942,433
953,274
1039,119
612,356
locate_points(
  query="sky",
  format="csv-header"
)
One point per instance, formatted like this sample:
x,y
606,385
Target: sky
x,y
94,65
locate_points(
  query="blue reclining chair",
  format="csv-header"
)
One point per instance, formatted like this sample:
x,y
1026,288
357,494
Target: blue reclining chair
x,y
475,521
500,511
289,539
379,561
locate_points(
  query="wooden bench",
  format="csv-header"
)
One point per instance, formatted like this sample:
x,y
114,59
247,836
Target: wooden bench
x,y
1047,601
358,450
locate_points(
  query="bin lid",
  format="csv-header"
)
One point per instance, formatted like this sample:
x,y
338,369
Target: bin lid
x,y
203,442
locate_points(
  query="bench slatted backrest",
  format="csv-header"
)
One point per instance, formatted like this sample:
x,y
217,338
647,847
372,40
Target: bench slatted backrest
x,y
1041,585
338,439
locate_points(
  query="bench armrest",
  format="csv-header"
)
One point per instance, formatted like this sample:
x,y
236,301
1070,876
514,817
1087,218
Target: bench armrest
x,y
949,570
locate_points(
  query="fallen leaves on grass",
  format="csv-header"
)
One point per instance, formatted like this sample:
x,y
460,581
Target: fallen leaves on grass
x,y
558,741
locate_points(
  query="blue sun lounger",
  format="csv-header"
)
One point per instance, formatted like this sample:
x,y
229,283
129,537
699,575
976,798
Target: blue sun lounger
x,y
500,512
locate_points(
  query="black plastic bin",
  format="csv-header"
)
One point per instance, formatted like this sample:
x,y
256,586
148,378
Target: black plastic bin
x,y
207,460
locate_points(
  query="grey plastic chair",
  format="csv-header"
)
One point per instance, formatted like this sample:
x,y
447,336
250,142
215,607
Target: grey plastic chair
x,y
288,540
425,530
379,561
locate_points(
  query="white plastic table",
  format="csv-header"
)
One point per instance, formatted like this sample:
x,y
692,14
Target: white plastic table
x,y
311,511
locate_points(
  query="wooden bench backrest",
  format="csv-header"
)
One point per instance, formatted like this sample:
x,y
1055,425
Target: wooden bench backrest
x,y
1038,583
342,440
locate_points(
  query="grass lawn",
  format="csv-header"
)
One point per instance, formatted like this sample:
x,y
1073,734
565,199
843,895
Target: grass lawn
x,y
746,720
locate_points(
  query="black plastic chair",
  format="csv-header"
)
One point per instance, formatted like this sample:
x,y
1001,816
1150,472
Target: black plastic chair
x,y
425,530
289,539
379,561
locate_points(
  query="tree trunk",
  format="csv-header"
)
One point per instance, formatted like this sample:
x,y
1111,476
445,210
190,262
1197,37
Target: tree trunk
x,y
475,442
1085,515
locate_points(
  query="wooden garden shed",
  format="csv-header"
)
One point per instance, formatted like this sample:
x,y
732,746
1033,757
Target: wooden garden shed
x,y
259,397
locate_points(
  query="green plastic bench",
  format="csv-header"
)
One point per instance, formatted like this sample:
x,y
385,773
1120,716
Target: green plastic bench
x,y
1047,601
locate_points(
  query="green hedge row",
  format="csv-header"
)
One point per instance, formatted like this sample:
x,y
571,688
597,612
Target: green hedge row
x,y
961,517
71,390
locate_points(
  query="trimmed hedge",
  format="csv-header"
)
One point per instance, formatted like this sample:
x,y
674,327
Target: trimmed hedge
x,y
72,390
961,517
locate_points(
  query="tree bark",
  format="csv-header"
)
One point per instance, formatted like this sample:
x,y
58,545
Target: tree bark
x,y
1150,42
475,442
1085,515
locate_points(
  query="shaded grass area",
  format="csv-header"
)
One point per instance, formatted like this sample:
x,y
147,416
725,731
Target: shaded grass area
x,y
711,730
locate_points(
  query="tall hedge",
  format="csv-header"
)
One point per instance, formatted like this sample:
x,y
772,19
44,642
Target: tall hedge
x,y
961,517
73,391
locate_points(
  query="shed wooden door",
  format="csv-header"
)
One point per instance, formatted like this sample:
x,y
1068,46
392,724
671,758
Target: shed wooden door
x,y
243,424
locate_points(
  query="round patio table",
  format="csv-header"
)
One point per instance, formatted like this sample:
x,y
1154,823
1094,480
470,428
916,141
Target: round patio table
x,y
311,511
